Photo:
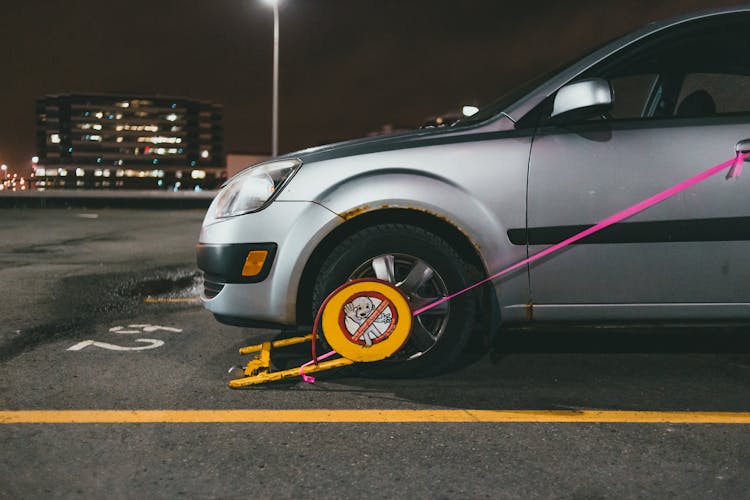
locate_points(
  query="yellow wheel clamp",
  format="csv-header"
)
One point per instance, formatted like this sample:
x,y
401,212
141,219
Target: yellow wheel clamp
x,y
363,321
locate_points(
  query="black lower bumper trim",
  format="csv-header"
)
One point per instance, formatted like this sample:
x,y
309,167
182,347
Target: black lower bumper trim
x,y
223,263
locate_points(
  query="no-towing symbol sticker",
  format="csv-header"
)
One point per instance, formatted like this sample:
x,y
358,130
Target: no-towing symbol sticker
x,y
367,320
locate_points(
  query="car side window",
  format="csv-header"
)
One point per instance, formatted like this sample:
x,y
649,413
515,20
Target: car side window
x,y
724,93
632,94
699,69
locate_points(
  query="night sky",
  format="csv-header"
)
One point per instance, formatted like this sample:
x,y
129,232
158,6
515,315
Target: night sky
x,y
347,67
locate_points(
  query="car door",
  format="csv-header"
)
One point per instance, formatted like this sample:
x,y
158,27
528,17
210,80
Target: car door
x,y
681,103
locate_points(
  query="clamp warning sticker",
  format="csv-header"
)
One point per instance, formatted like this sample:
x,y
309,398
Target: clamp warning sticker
x,y
366,320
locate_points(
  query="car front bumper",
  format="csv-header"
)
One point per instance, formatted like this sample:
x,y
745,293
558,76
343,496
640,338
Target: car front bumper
x,y
289,231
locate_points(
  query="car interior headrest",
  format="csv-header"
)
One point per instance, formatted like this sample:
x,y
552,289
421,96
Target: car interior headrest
x,y
699,103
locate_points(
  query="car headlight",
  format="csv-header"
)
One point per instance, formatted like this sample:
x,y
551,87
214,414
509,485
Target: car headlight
x,y
253,189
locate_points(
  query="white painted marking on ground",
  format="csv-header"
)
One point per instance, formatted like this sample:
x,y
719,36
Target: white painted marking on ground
x,y
88,216
153,328
153,344
119,329
144,328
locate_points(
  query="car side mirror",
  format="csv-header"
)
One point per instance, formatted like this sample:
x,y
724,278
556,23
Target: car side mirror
x,y
581,100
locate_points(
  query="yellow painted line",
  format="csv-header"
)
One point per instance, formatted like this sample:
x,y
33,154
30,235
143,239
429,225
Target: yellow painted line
x,y
156,300
388,416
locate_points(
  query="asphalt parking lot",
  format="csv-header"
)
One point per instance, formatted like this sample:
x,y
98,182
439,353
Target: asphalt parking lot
x,y
101,326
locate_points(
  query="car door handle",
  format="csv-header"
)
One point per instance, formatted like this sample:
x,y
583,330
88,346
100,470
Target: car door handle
x,y
743,148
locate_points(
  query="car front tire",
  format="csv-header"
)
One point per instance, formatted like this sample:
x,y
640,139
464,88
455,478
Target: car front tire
x,y
425,268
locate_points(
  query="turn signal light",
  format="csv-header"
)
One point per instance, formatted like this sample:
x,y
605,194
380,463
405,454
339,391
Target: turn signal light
x,y
254,262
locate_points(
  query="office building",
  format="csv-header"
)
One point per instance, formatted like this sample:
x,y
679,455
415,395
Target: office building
x,y
112,141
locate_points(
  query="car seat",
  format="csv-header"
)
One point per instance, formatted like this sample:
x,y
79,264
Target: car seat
x,y
698,103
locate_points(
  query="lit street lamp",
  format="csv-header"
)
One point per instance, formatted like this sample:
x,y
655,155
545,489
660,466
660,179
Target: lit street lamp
x,y
275,119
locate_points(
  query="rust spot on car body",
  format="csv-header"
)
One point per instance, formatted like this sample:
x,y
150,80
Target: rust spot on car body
x,y
354,212
447,220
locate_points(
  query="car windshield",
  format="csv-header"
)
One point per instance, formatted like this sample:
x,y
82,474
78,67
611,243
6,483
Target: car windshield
x,y
501,103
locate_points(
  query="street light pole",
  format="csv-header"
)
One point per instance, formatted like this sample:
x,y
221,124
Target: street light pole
x,y
275,119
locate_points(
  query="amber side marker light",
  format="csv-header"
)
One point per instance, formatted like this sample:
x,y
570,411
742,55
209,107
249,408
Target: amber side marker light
x,y
254,262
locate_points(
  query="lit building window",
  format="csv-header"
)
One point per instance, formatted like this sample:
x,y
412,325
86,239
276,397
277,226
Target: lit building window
x,y
171,117
80,172
204,153
198,174
54,138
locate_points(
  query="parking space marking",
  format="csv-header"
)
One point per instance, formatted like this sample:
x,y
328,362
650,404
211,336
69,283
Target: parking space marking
x,y
368,416
151,344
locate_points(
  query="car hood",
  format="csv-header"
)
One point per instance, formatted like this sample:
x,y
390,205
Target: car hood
x,y
403,140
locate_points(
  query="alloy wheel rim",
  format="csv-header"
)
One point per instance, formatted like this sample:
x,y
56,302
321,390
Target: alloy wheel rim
x,y
422,285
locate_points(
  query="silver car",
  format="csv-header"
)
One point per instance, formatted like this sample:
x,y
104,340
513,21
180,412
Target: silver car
x,y
435,210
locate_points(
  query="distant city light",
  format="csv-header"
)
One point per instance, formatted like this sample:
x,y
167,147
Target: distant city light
x,y
204,153
470,110
34,160
4,167
171,117
54,138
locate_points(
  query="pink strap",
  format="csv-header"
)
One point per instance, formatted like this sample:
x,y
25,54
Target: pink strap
x,y
308,378
735,163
